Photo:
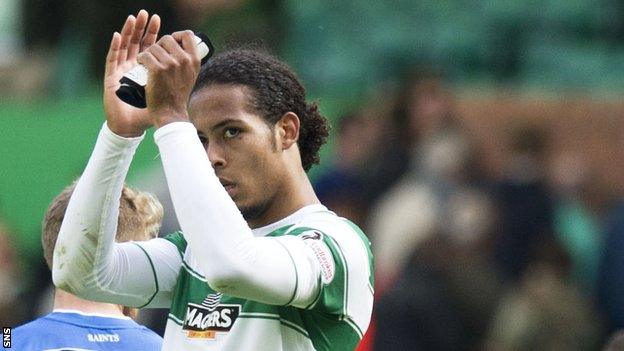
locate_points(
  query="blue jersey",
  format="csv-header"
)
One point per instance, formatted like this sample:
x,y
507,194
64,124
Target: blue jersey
x,y
67,331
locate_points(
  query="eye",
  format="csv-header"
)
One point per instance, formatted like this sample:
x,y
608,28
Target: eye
x,y
231,133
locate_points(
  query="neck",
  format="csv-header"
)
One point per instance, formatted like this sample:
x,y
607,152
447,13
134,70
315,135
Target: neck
x,y
299,192
67,301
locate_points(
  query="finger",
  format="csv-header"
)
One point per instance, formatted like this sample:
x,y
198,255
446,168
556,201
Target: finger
x,y
161,55
137,34
126,34
151,32
179,34
190,46
111,57
187,39
172,47
148,60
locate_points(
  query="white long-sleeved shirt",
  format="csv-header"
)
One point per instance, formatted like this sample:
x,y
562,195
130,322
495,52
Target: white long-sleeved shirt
x,y
224,282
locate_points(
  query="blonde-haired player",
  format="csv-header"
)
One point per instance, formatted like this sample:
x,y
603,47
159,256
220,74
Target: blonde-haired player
x,y
77,323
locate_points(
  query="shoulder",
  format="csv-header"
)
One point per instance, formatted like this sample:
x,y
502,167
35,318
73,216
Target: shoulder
x,y
40,333
346,267
350,249
144,337
328,223
147,332
24,334
327,226
39,326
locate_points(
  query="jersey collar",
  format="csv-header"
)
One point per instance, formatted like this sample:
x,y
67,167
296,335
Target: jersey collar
x,y
293,218
104,315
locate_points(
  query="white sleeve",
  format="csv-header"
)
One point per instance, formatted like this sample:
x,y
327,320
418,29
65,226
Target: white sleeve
x,y
87,261
165,261
268,270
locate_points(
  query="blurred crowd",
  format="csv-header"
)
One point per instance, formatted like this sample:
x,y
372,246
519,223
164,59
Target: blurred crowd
x,y
525,257
505,239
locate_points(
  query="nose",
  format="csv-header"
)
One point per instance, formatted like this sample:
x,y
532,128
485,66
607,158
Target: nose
x,y
215,155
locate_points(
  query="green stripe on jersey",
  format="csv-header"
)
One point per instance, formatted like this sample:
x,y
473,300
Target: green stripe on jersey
x,y
177,239
330,332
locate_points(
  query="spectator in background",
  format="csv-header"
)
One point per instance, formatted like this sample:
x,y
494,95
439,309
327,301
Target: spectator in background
x,y
610,286
578,211
342,187
78,323
524,201
422,109
441,163
544,311
448,292
616,342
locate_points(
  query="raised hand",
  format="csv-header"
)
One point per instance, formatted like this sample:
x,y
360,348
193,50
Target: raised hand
x,y
137,34
173,66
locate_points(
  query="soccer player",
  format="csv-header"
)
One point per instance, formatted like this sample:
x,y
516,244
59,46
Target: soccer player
x,y
261,264
86,325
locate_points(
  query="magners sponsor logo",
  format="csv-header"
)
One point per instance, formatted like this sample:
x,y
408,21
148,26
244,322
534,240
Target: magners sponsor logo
x,y
205,320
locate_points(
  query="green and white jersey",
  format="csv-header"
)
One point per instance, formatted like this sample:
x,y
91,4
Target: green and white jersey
x,y
302,283
203,319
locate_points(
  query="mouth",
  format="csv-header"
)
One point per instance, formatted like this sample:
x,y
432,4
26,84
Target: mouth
x,y
230,189
229,186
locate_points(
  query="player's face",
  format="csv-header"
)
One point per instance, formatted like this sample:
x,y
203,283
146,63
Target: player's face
x,y
240,145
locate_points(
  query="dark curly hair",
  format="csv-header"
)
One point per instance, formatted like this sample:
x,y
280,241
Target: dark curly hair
x,y
276,91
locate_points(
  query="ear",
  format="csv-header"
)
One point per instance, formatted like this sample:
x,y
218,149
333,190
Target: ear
x,y
287,130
